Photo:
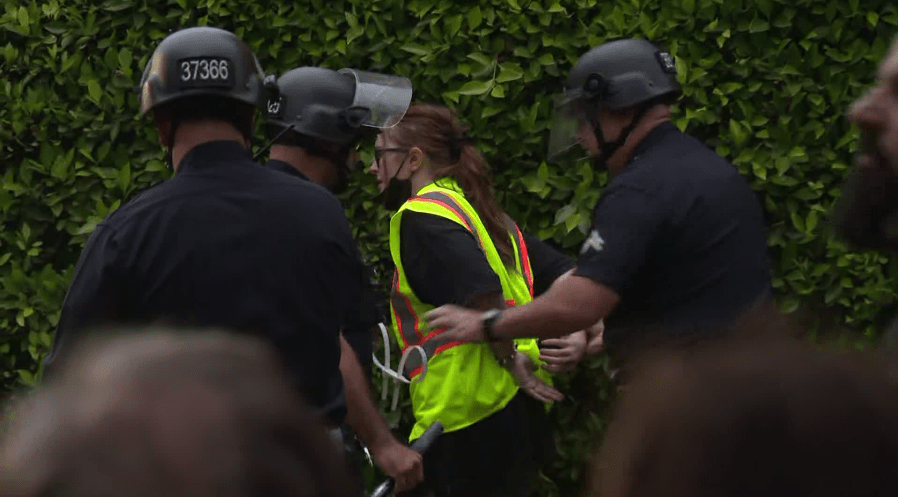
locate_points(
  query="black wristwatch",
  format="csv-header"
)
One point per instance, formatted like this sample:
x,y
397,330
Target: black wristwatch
x,y
488,320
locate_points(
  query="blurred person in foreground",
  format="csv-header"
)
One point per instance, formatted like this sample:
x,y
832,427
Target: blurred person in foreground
x,y
170,414
771,417
867,213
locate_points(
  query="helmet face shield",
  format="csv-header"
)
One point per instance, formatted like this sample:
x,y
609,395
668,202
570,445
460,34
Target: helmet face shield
x,y
385,96
568,116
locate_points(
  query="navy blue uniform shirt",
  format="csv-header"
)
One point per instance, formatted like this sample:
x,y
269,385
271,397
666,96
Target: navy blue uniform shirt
x,y
680,236
226,243
364,315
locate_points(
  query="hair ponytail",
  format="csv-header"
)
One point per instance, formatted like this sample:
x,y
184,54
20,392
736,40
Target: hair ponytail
x,y
472,175
435,130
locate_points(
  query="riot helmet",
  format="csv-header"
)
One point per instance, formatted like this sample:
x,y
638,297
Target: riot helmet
x,y
202,61
615,75
204,67
328,112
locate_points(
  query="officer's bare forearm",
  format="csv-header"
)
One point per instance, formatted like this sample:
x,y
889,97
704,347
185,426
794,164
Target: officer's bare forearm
x,y
571,304
501,349
362,415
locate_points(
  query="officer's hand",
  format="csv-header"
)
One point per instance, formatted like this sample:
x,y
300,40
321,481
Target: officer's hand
x,y
596,338
570,350
401,462
461,324
522,368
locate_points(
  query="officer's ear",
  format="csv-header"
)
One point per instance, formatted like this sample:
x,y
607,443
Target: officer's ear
x,y
163,126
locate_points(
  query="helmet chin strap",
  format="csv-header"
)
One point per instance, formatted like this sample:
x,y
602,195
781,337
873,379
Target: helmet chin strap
x,y
339,160
272,141
169,152
608,149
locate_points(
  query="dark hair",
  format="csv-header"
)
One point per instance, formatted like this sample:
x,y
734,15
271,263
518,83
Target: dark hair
x,y
773,417
170,413
436,130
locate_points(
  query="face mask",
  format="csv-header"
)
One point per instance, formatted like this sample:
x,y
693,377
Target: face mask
x,y
396,192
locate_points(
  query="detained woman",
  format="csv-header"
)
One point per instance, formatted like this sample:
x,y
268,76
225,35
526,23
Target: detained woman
x,y
451,243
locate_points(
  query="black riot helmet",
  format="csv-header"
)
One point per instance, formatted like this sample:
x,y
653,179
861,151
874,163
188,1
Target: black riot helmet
x,y
615,75
328,112
202,61
203,70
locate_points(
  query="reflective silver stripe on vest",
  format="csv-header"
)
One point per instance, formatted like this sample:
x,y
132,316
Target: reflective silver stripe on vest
x,y
513,229
406,321
401,306
446,199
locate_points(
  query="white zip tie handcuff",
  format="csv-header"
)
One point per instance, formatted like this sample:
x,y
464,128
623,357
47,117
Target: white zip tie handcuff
x,y
396,375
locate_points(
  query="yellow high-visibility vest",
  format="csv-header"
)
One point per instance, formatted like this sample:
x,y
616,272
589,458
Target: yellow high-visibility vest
x,y
464,382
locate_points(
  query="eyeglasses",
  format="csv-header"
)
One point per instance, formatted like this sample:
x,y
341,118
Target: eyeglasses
x,y
379,152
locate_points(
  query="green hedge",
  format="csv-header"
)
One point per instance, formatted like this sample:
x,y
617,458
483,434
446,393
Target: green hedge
x,y
766,83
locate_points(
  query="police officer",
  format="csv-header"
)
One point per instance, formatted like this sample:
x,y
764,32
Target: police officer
x,y
677,246
225,243
317,121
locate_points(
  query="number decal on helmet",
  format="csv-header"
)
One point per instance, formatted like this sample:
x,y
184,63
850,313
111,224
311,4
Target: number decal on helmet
x,y
276,108
668,64
205,71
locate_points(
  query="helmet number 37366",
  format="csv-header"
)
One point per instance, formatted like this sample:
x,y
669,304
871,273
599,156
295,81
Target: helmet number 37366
x,y
201,71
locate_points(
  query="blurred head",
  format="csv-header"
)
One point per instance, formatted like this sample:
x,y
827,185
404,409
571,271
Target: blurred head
x,y
778,418
169,414
429,144
867,213
876,114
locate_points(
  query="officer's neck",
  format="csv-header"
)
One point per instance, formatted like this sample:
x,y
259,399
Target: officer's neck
x,y
313,167
191,134
650,120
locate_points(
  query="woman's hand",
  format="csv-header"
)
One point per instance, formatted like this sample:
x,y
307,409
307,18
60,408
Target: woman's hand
x,y
596,338
522,369
563,354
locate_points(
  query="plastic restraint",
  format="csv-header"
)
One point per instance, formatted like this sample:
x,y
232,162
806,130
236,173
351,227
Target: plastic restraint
x,y
396,374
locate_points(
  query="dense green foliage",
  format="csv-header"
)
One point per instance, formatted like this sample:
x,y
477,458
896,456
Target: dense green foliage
x,y
766,83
